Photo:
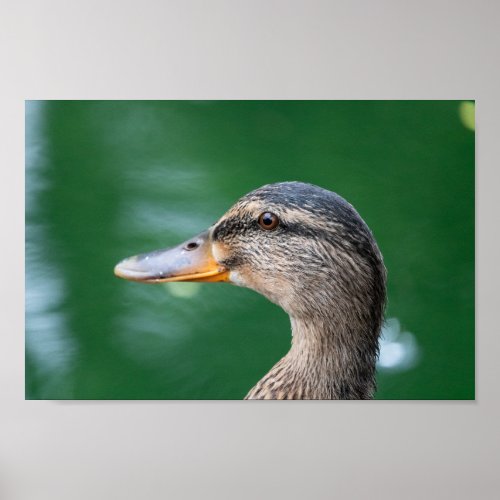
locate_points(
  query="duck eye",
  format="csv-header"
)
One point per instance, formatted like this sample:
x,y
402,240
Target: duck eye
x,y
268,221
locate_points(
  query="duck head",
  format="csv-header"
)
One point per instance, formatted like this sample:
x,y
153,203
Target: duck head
x,y
301,246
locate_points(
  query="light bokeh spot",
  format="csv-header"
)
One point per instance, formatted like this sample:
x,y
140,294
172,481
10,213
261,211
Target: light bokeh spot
x,y
467,113
183,290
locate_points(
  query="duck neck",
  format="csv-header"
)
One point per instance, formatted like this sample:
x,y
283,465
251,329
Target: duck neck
x,y
329,359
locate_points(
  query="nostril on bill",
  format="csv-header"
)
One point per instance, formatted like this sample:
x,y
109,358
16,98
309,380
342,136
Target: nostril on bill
x,y
191,245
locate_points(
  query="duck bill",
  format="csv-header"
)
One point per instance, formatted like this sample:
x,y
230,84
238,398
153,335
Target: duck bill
x,y
190,261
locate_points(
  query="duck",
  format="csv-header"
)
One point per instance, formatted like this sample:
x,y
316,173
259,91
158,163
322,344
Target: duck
x,y
306,249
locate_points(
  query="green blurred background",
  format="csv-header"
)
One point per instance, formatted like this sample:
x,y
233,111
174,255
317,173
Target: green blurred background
x,y
108,179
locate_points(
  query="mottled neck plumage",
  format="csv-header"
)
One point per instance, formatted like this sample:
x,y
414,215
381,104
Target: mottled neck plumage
x,y
329,359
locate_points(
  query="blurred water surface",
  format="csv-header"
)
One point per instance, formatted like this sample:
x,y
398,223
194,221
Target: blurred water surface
x,y
109,179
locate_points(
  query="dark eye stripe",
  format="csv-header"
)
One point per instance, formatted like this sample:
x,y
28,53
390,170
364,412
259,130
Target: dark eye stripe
x,y
230,226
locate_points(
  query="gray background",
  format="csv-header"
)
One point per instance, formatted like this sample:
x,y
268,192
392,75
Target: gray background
x,y
260,49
